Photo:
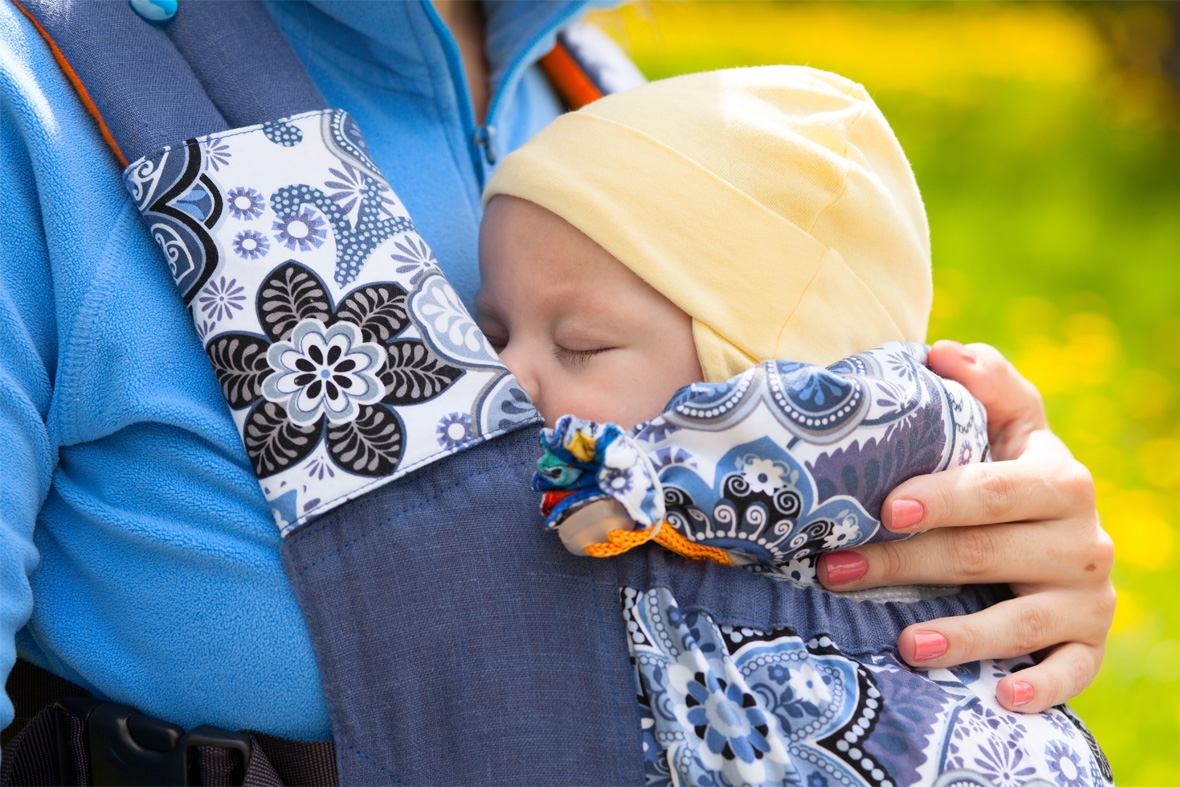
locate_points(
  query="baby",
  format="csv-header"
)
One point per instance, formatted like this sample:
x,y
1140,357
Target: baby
x,y
662,241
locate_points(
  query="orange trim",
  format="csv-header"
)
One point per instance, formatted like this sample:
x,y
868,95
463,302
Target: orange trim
x,y
569,78
620,541
670,537
72,75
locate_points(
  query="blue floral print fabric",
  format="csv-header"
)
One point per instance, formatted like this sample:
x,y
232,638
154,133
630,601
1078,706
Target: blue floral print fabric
x,y
775,467
346,358
735,706
779,464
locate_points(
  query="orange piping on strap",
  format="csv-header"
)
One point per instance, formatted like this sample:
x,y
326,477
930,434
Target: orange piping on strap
x,y
620,541
72,75
569,78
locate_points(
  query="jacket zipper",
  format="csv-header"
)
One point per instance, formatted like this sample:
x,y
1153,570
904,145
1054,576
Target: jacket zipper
x,y
483,137
457,72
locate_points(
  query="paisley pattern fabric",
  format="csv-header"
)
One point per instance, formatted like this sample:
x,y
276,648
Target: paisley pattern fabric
x,y
722,705
345,357
779,464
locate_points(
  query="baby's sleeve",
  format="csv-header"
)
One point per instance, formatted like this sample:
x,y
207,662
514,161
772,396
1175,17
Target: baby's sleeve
x,y
773,467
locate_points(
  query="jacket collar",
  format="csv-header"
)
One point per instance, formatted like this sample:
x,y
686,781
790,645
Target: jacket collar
x,y
518,31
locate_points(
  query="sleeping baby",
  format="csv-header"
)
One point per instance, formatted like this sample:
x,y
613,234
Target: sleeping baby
x,y
740,259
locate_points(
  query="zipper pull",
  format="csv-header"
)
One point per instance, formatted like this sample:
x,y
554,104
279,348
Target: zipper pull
x,y
485,137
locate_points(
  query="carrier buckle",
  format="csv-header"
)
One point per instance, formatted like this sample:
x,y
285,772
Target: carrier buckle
x,y
129,748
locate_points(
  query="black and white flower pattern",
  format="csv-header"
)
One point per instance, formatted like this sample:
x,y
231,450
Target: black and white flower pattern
x,y
306,277
764,475
844,531
324,374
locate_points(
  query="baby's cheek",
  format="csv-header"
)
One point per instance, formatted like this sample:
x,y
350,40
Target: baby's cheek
x,y
585,400
624,387
590,394
626,397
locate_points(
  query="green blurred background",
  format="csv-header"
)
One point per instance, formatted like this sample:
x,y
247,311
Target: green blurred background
x,y
1046,141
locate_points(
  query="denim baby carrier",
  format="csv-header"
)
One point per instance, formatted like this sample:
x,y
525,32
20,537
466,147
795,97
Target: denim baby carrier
x,y
456,642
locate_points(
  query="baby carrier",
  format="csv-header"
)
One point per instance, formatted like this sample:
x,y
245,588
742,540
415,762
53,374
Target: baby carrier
x,y
448,653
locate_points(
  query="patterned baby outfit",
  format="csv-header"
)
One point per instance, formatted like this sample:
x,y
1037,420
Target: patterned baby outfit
x,y
768,471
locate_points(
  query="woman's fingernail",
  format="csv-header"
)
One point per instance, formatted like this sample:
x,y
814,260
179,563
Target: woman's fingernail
x,y
965,353
929,645
906,514
1022,693
844,567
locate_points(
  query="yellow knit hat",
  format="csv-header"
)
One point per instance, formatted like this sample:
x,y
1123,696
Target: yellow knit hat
x,y
773,205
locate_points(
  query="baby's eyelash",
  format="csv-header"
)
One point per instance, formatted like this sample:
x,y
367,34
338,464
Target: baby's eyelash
x,y
578,357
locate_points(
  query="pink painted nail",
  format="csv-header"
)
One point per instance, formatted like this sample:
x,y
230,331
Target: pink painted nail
x,y
906,514
1022,693
844,567
929,645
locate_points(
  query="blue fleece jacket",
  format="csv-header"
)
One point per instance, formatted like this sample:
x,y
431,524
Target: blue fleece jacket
x,y
137,556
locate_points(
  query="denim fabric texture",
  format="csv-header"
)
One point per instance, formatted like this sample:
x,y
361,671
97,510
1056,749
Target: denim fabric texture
x,y
455,650
457,643
223,41
106,42
194,63
859,624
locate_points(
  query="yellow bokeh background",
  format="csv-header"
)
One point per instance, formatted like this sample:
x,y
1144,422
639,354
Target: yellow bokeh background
x,y
1046,140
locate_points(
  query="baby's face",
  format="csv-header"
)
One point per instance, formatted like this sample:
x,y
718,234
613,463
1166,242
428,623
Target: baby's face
x,y
582,333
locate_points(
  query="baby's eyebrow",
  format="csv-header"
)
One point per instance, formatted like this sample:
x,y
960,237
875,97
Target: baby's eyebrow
x,y
573,322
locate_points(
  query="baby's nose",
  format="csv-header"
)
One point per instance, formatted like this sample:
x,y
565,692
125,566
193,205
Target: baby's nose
x,y
517,362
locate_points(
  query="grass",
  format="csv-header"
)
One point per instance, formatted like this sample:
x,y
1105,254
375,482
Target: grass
x,y
1046,146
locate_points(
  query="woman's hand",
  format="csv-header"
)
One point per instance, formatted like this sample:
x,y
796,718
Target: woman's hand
x,y
1027,518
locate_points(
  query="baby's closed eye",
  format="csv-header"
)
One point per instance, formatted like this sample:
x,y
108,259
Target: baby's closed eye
x,y
576,357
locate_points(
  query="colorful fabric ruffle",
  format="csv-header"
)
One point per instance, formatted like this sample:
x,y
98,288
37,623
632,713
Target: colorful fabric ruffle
x,y
775,466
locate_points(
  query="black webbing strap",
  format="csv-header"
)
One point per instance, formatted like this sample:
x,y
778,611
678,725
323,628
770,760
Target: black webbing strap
x,y
31,689
31,758
51,746
299,763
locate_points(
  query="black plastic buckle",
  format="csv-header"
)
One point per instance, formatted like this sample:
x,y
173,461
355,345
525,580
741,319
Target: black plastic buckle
x,y
128,748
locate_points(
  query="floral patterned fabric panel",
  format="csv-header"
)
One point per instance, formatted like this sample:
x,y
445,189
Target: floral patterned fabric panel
x,y
778,464
730,706
345,357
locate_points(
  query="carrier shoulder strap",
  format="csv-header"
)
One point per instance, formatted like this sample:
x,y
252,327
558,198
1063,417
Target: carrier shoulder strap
x,y
181,87
471,659
185,89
